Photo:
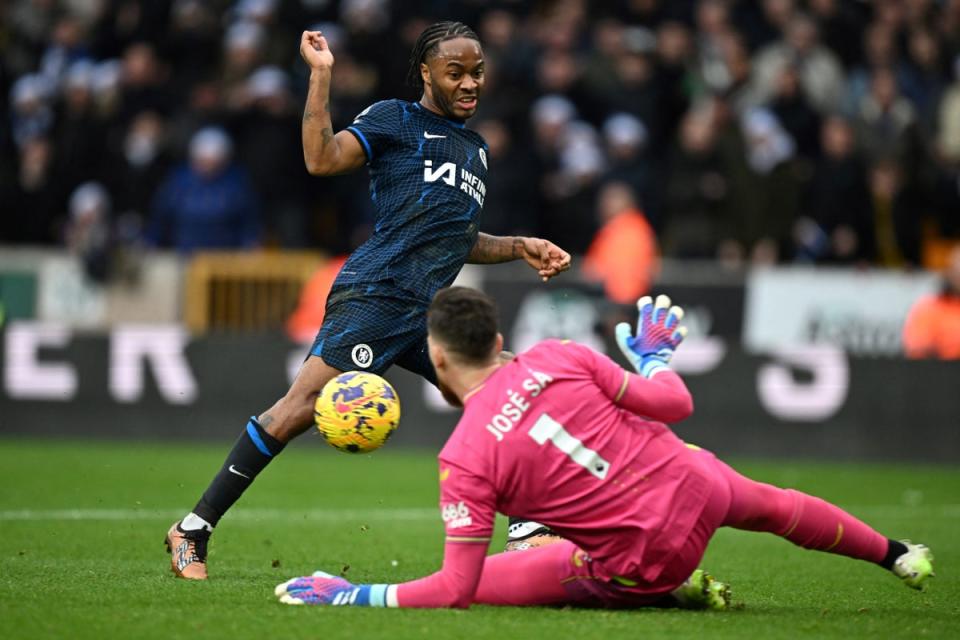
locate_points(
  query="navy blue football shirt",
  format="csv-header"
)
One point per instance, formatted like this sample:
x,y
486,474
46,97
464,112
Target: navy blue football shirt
x,y
427,183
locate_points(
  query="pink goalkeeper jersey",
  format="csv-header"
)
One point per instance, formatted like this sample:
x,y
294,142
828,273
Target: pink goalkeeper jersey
x,y
556,436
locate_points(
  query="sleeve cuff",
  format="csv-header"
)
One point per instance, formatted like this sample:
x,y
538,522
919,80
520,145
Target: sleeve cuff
x,y
652,367
363,142
380,595
469,539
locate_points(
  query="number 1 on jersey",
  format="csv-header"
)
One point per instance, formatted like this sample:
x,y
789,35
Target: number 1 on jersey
x,y
546,428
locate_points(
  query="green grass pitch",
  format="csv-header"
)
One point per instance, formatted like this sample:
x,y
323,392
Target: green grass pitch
x,y
82,527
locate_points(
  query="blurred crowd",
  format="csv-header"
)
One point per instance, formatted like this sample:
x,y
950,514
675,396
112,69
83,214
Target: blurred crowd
x,y
746,131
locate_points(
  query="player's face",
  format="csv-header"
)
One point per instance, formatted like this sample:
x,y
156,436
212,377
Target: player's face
x,y
438,358
453,78
449,395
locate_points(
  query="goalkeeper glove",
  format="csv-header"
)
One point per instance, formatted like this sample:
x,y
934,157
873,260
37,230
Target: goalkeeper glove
x,y
323,588
658,335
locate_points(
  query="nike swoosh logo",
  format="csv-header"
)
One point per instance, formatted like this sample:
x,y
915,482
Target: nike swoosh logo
x,y
234,471
431,136
343,407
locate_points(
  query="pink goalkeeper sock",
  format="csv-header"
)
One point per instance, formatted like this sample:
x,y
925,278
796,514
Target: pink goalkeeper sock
x,y
802,519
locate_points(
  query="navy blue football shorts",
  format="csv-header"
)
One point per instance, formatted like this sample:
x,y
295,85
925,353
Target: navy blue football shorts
x,y
367,330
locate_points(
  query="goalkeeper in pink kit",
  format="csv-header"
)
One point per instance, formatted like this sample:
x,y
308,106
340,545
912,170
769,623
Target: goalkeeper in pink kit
x,y
563,436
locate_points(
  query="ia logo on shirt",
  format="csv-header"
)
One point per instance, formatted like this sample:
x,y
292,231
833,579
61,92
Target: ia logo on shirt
x,y
470,184
446,172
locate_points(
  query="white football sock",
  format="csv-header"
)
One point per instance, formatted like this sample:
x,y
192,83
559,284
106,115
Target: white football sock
x,y
193,522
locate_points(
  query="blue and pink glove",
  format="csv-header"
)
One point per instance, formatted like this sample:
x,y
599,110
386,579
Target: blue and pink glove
x,y
323,588
658,335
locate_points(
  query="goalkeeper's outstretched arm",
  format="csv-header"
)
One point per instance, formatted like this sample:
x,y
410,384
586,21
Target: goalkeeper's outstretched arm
x,y
664,398
655,392
468,509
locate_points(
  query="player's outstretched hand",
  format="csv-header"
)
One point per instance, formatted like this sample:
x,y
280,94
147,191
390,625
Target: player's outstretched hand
x,y
315,51
320,588
544,256
658,334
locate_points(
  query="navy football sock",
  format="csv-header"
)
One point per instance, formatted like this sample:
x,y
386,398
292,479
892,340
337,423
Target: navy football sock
x,y
895,549
252,452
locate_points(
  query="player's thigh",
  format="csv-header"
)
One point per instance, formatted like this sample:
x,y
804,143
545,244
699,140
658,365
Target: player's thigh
x,y
292,414
417,359
369,333
753,505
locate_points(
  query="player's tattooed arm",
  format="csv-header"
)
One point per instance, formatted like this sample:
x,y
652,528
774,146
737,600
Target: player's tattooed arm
x,y
494,249
544,256
324,153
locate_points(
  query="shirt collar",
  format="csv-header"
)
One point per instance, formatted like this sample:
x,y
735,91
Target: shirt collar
x,y
459,125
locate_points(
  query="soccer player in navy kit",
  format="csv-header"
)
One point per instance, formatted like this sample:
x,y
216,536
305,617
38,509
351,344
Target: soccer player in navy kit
x,y
427,176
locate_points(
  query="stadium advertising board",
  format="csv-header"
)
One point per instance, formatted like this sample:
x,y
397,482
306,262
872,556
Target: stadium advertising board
x,y
861,311
154,382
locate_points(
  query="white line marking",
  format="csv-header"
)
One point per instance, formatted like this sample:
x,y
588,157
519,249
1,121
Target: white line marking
x,y
288,515
400,513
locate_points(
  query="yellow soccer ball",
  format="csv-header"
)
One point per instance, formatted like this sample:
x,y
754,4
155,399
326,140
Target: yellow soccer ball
x,y
357,412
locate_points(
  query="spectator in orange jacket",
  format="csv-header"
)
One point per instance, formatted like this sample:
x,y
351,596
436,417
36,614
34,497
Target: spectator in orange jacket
x,y
623,254
932,329
306,319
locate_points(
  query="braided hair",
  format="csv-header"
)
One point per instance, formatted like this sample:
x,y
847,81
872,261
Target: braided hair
x,y
428,42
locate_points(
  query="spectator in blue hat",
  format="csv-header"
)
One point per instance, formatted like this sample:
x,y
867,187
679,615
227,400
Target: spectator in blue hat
x,y
207,203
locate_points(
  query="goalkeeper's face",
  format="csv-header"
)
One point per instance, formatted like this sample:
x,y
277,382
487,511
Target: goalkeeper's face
x,y
440,359
452,399
462,340
458,376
